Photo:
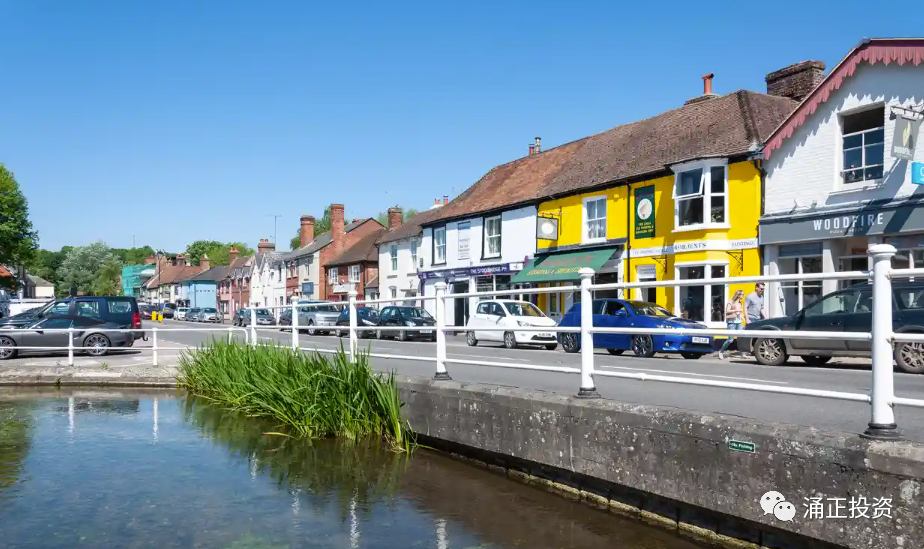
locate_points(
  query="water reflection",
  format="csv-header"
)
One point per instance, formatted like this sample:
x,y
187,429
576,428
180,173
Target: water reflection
x,y
152,470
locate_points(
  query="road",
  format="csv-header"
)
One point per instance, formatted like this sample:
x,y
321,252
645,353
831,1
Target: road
x,y
825,414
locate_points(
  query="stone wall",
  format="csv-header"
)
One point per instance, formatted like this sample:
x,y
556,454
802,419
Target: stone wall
x,y
676,468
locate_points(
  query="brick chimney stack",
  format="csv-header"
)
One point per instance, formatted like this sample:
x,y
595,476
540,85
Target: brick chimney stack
x,y
204,263
265,246
180,260
395,217
532,149
150,260
337,227
538,145
232,254
445,200
796,81
306,233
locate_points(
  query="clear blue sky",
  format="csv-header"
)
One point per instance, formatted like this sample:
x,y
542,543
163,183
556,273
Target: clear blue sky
x,y
179,120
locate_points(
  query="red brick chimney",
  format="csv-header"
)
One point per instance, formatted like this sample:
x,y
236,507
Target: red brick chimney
x,y
150,260
180,260
337,232
265,246
232,254
395,217
306,233
532,149
204,263
445,200
796,81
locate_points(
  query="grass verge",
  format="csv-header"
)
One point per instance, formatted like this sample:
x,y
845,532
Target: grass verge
x,y
316,395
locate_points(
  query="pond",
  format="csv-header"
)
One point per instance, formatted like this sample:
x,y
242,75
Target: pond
x,y
126,468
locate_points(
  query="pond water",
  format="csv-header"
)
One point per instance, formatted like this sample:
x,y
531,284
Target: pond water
x,y
131,469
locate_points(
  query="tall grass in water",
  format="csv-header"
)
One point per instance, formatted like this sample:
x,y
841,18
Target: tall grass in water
x,y
314,394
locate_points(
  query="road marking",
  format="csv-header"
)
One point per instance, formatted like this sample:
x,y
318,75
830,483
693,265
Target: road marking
x,y
657,371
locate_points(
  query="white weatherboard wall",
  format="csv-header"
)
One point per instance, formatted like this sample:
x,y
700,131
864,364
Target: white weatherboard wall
x,y
518,241
806,168
404,278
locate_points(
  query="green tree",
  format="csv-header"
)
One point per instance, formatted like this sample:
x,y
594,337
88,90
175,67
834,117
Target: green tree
x,y
90,269
217,251
133,256
407,214
321,226
18,241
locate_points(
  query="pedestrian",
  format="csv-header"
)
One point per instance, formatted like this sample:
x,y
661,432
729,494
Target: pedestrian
x,y
754,304
734,319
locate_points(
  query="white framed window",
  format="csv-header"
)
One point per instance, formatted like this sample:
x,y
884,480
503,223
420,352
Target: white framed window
x,y
393,253
333,276
492,236
705,302
354,273
439,245
394,294
863,144
594,229
413,255
700,195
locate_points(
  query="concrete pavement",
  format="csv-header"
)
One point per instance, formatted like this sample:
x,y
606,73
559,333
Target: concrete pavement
x,y
824,414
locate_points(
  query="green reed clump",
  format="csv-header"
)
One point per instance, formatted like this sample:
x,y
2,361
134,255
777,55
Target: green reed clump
x,y
316,395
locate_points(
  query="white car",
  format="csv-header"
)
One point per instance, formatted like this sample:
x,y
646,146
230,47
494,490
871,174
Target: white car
x,y
511,314
180,313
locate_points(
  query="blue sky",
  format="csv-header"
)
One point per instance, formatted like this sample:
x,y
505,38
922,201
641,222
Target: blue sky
x,y
175,121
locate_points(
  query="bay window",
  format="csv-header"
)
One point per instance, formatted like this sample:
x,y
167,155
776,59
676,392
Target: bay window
x,y
703,302
700,195
439,245
492,236
594,229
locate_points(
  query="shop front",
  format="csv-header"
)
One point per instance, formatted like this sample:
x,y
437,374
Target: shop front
x,y
482,278
836,241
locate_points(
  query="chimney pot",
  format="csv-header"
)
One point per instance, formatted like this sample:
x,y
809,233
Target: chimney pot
x,y
232,254
436,201
445,200
707,83
532,149
204,263
538,145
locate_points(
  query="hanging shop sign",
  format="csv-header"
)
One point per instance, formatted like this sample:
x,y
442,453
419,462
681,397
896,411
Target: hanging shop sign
x,y
645,212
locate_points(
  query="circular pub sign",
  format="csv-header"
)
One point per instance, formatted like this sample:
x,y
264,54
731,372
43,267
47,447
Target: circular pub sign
x,y
645,209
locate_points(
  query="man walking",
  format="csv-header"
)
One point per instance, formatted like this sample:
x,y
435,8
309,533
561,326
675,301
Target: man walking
x,y
754,304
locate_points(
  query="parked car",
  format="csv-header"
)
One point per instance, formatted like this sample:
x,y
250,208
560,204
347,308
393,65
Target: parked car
x,y
619,313
88,332
847,310
312,314
406,316
365,316
238,318
511,314
181,313
169,310
285,319
121,310
147,310
264,317
209,314
192,315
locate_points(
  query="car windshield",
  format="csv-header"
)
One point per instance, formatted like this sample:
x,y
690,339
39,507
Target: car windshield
x,y
210,310
195,310
263,312
324,309
366,311
650,309
414,312
523,309
183,309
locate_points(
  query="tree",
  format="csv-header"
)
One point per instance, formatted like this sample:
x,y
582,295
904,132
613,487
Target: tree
x,y
407,214
217,251
18,241
133,256
221,256
321,226
90,269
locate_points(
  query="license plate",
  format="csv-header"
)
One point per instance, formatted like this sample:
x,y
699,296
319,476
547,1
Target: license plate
x,y
426,331
700,340
545,336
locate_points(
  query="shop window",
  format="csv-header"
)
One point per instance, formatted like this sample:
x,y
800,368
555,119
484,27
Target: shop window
x,y
800,293
706,302
700,195
439,245
502,283
594,219
492,236
853,263
554,300
863,144
484,284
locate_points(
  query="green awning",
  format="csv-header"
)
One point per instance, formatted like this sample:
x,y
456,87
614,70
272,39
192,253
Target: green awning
x,y
563,266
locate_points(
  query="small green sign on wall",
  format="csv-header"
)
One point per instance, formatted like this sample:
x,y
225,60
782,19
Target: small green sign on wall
x,y
645,212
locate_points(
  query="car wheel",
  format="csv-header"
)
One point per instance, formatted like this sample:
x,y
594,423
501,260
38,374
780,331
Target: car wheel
x,y
98,343
692,356
570,344
470,339
615,352
910,357
770,352
551,346
813,360
643,346
6,348
311,330
510,340
402,336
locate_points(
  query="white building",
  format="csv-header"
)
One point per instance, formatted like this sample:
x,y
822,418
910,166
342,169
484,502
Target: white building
x,y
264,281
401,255
844,170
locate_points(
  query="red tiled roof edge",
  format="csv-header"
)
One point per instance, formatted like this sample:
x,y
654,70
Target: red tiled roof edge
x,y
881,50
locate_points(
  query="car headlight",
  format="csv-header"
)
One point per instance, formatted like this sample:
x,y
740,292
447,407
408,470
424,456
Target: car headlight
x,y
521,323
409,323
667,327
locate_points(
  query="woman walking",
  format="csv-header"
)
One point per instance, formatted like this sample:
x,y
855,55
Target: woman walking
x,y
734,319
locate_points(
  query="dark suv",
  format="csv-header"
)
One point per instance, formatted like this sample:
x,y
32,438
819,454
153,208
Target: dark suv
x,y
121,310
848,310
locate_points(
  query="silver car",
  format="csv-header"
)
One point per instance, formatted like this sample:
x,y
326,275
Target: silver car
x,y
209,314
312,315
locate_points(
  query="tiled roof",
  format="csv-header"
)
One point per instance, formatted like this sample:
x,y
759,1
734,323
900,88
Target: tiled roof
x,y
320,241
409,228
879,50
365,249
212,275
727,125
171,274
5,272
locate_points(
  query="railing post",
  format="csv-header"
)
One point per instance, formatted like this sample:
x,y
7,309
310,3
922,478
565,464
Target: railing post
x,y
230,334
294,326
354,342
253,326
154,340
882,425
587,390
441,373
70,346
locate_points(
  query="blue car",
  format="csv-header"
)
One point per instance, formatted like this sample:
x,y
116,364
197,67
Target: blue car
x,y
619,313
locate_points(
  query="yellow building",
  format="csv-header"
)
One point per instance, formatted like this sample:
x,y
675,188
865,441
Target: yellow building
x,y
680,205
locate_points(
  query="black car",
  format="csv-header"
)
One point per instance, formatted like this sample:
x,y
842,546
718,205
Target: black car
x,y
406,316
365,316
848,310
120,310
43,332
238,318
